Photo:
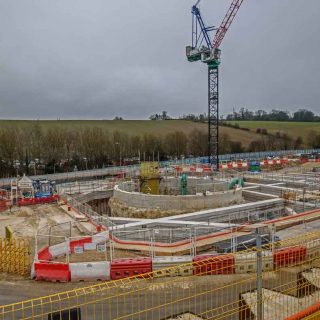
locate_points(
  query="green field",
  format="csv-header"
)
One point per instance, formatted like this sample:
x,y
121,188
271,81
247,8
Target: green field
x,y
132,127
129,126
293,129
140,127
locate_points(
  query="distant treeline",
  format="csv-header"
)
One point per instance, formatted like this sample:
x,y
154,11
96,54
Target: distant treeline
x,y
35,150
301,115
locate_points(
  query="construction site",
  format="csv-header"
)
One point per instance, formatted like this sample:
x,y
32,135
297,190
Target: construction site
x,y
228,237
159,243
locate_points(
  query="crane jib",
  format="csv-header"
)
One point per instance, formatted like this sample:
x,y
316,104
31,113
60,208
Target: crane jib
x,y
226,22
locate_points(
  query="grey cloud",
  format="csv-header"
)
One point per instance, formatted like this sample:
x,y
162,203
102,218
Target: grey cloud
x,y
101,58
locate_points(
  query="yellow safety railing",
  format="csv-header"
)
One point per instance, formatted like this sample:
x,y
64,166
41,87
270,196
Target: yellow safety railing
x,y
211,289
15,256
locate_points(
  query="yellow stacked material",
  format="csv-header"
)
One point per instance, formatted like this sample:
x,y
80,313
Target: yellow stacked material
x,y
149,169
15,256
149,177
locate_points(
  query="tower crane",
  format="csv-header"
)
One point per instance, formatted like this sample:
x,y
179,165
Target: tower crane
x,y
207,51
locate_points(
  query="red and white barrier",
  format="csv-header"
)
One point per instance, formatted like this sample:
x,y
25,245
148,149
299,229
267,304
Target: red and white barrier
x,y
240,263
247,262
289,256
44,254
160,266
33,201
90,271
208,264
59,250
124,268
100,238
56,272
213,264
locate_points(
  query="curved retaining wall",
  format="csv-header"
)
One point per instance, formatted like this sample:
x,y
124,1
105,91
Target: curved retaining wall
x,y
135,204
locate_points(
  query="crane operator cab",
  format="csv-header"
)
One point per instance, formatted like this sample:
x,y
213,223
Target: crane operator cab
x,y
204,54
213,60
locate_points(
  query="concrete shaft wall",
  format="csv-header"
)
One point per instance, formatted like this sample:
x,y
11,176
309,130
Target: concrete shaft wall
x,y
134,204
172,185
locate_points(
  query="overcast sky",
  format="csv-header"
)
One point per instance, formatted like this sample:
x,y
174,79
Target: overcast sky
x,y
97,59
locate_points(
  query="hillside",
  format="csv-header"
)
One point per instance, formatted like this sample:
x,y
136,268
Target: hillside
x,y
132,127
293,129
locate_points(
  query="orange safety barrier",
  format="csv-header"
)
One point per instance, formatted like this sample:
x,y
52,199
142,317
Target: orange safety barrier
x,y
292,217
213,264
124,268
288,256
44,254
3,205
178,243
306,312
59,272
33,201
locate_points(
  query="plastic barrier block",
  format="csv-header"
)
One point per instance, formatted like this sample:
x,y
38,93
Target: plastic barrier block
x,y
32,272
247,262
89,271
79,243
313,250
123,268
289,256
172,266
101,237
131,262
211,265
52,271
58,250
44,254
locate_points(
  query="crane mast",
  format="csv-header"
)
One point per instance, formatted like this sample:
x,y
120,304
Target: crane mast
x,y
210,54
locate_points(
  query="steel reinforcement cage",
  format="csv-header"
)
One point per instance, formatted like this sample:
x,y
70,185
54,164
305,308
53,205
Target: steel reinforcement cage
x,y
212,289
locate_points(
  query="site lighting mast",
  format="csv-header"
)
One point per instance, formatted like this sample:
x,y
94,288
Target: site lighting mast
x,y
207,51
